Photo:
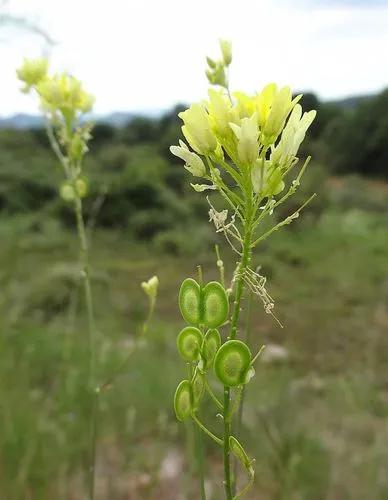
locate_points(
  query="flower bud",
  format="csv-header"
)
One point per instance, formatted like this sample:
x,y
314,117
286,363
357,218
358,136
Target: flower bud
x,y
226,49
150,287
212,64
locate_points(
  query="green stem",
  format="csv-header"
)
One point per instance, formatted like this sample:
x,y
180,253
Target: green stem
x,y
199,453
213,396
248,328
244,263
91,340
198,445
206,430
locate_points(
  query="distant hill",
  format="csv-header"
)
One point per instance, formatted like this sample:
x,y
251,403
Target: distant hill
x,y
21,121
121,118
116,119
353,101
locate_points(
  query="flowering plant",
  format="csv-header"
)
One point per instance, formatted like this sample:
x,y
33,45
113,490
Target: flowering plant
x,y
245,148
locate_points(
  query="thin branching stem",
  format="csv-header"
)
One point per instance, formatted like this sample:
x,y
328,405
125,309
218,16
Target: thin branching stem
x,y
206,430
213,396
284,222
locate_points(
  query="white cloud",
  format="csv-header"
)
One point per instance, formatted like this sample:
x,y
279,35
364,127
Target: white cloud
x,y
144,54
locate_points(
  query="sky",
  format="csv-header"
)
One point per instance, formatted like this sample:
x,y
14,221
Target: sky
x,y
144,55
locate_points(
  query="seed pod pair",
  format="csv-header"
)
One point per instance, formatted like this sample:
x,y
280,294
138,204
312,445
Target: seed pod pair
x,y
193,346
206,305
188,395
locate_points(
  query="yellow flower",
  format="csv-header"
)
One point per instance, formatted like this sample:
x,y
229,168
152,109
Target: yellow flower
x,y
193,162
245,105
281,103
32,72
247,135
221,112
64,93
196,129
293,135
264,103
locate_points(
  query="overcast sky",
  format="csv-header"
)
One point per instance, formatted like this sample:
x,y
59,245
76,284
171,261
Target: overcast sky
x,y
149,54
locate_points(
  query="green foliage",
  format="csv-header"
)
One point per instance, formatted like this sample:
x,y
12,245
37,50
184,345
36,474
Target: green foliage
x,y
357,138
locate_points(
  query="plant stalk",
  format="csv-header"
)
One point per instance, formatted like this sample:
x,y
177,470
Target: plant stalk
x,y
248,328
244,263
200,464
91,341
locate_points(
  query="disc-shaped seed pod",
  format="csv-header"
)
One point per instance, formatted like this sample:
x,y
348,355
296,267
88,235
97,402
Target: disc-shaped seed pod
x,y
190,301
189,343
215,305
211,344
183,400
197,387
232,363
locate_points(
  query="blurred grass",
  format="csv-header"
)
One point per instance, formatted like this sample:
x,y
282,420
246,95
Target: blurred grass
x,y
316,421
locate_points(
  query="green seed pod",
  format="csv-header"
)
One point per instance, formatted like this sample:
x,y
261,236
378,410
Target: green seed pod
x,y
239,452
198,387
215,305
232,362
190,301
189,343
67,192
211,344
183,401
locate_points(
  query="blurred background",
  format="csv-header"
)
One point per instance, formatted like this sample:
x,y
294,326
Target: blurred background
x,y
317,412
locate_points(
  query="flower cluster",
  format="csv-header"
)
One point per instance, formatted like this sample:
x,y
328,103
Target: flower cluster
x,y
255,138
58,93
259,134
63,101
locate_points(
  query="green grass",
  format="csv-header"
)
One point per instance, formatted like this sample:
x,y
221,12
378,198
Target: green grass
x,y
316,422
